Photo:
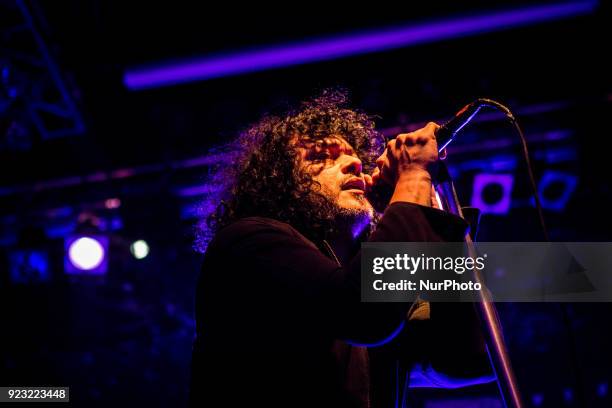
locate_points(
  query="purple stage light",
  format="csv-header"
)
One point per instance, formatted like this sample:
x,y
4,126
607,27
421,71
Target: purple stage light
x,y
556,189
199,69
86,254
493,193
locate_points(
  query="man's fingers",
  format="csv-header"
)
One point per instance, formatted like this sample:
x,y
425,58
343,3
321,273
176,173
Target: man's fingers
x,y
432,125
375,176
409,151
368,180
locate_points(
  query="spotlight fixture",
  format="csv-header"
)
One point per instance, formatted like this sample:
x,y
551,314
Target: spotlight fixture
x,y
492,193
86,255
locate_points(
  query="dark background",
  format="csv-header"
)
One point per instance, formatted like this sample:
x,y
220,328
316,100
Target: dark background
x,y
126,336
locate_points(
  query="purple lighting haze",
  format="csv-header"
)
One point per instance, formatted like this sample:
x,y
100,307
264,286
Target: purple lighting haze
x,y
342,46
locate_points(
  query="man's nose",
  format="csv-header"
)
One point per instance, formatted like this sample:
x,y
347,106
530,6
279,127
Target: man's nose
x,y
351,165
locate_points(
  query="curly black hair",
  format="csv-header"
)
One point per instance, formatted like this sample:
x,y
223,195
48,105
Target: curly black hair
x,y
263,179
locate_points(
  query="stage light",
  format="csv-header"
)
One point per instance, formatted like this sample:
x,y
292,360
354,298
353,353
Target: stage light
x,y
208,67
112,203
555,189
140,249
86,254
492,193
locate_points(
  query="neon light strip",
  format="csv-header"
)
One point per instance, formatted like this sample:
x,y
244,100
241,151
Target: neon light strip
x,y
209,67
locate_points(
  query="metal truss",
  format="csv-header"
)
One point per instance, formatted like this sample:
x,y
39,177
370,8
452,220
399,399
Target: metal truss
x,y
34,96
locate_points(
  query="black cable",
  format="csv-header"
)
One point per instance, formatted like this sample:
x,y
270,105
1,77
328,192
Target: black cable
x,y
578,378
496,105
534,187
571,338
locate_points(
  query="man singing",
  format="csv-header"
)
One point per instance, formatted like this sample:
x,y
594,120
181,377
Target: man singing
x,y
278,311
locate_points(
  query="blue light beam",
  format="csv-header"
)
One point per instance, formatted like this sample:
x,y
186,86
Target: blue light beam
x,y
241,62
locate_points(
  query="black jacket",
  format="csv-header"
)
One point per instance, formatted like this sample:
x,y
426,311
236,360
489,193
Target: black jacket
x,y
273,312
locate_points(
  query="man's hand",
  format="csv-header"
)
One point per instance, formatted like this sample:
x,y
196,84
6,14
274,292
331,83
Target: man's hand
x,y
407,164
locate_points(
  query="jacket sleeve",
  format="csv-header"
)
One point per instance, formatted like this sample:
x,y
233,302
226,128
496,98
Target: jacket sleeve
x,y
299,270
441,345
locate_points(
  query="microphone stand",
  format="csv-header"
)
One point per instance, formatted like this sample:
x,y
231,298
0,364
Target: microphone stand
x,y
485,308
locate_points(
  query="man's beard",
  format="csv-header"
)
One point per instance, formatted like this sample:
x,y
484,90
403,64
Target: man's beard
x,y
357,221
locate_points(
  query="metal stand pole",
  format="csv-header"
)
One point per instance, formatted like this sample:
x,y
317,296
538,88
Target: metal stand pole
x,y
485,308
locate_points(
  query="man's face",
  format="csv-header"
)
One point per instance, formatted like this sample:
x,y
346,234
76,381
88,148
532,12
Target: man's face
x,y
333,163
